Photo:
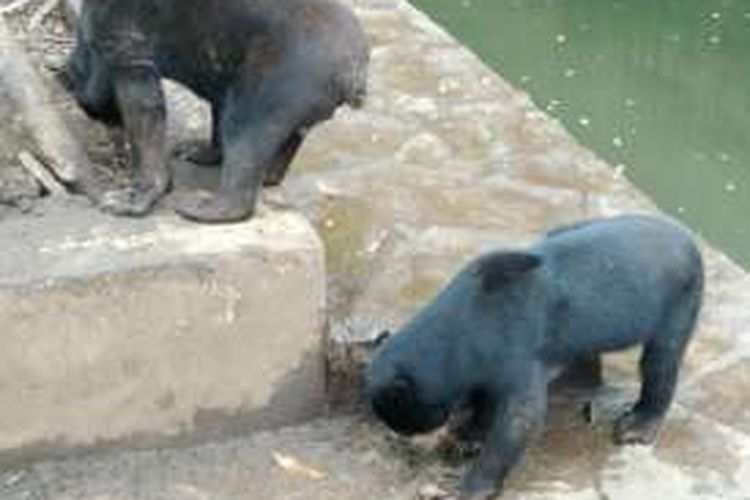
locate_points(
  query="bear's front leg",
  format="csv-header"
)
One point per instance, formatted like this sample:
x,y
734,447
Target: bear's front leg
x,y
141,101
519,414
469,424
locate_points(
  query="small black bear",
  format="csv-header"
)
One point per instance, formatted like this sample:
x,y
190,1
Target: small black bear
x,y
270,69
512,321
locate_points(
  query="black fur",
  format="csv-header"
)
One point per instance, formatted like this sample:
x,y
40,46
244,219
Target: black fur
x,y
510,322
270,69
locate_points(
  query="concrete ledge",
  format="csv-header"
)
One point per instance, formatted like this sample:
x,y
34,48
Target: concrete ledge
x,y
125,330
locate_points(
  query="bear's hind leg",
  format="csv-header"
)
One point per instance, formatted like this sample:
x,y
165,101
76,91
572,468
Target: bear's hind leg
x,y
247,155
205,153
581,381
582,374
276,173
256,127
659,368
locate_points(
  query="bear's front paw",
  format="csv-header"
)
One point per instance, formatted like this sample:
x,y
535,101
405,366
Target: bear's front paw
x,y
478,495
477,486
215,208
635,428
131,202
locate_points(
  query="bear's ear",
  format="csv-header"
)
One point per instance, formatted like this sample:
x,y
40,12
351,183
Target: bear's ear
x,y
382,337
498,269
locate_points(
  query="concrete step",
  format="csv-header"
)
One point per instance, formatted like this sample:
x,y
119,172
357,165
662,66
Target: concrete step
x,y
136,331
319,460
349,458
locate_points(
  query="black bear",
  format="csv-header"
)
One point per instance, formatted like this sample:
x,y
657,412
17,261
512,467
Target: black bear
x,y
512,321
270,69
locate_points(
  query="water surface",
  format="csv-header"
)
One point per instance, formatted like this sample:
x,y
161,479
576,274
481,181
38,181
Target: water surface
x,y
660,87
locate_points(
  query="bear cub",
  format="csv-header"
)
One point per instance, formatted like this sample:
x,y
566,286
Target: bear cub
x,y
270,69
510,322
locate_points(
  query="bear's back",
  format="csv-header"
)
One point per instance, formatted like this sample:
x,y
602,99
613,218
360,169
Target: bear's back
x,y
618,278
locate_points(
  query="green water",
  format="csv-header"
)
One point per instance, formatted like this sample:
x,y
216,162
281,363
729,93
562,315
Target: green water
x,y
659,86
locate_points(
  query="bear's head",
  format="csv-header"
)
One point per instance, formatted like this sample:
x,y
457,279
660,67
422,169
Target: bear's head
x,y
444,353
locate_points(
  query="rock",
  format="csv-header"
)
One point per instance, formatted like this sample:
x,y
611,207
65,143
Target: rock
x,y
134,331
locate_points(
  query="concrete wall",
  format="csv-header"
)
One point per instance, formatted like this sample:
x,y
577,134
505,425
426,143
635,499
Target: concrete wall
x,y
125,330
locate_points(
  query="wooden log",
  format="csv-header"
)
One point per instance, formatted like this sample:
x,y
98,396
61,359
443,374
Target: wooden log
x,y
58,148
43,176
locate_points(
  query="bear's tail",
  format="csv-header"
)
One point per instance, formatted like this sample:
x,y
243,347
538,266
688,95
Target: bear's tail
x,y
353,82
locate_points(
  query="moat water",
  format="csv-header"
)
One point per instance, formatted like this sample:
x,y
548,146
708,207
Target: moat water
x,y
659,88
